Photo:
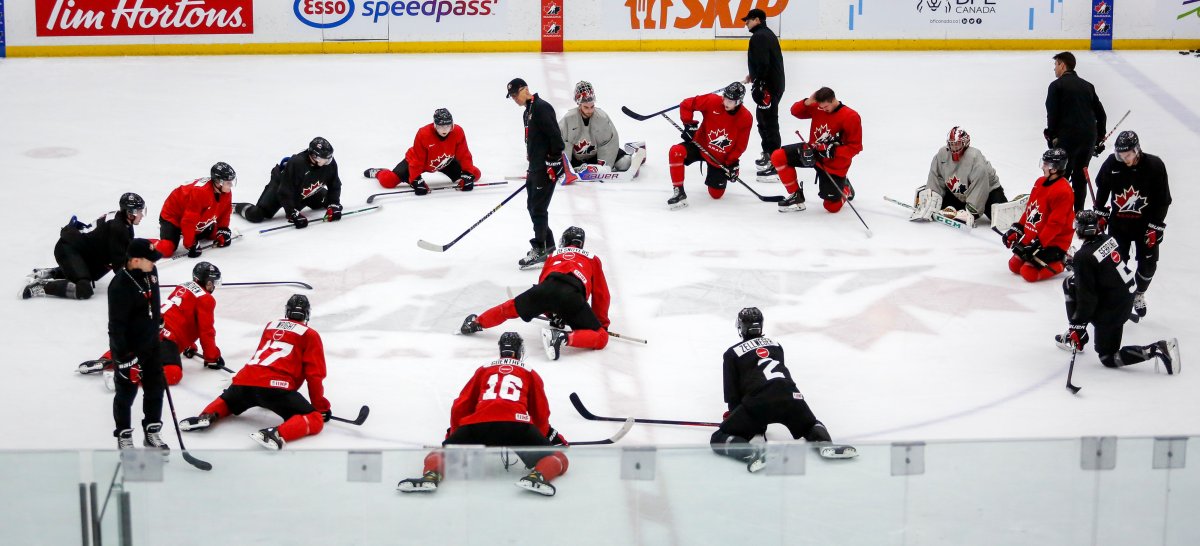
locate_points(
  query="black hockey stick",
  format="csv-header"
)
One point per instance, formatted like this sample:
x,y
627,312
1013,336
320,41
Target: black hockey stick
x,y
442,248
362,417
714,163
320,219
1070,371
593,417
641,117
202,465
371,198
221,367
297,284
236,235
630,339
611,439
842,190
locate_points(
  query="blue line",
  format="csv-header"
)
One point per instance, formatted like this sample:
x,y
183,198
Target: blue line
x,y
1186,116
860,2
1030,18
851,16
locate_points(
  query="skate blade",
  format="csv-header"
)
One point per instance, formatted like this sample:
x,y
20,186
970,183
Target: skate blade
x,y
838,452
678,206
410,487
757,464
1173,351
539,488
793,208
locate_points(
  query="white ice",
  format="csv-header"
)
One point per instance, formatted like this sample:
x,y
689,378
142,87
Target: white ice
x,y
919,333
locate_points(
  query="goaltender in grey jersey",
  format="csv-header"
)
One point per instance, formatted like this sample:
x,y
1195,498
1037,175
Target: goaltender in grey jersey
x,y
592,140
962,176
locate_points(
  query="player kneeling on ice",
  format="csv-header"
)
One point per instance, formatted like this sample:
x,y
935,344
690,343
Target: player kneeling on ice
x,y
503,405
198,210
1100,292
961,180
85,254
719,140
307,179
187,318
1040,238
570,277
834,138
289,354
591,141
760,391
441,147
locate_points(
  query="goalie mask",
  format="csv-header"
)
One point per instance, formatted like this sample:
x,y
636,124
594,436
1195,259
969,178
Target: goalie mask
x,y
957,142
512,346
750,323
584,93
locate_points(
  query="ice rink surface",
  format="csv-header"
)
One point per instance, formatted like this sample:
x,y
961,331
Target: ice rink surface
x,y
917,333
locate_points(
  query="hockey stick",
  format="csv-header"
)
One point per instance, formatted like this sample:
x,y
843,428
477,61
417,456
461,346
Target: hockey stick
x,y
641,117
713,162
202,465
593,417
842,190
611,439
937,216
362,417
320,219
1091,190
442,248
1070,371
297,284
371,198
221,367
236,235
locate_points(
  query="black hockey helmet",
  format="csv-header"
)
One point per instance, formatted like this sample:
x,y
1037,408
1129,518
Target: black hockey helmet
x,y
734,91
1090,223
205,273
1055,159
321,148
512,346
222,172
749,323
132,203
298,308
442,117
1126,141
572,236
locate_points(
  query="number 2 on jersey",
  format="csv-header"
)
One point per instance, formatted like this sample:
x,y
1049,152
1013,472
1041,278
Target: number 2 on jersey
x,y
510,388
768,366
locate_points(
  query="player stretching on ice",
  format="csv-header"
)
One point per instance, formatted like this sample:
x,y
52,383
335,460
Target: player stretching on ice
x,y
1039,240
85,254
441,147
198,210
307,179
590,138
834,138
960,180
723,134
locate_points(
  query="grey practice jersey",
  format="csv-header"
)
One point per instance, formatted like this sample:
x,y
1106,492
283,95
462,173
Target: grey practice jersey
x,y
970,178
593,142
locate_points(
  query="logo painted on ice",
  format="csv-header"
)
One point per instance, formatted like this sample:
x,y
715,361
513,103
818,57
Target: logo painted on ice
x,y
1194,11
310,12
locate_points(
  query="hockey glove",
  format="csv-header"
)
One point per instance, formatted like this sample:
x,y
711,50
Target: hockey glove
x,y
554,168
1050,140
557,322
1013,235
1154,234
556,439
1047,255
297,219
190,352
194,252
223,238
734,169
1027,252
827,151
466,182
128,368
215,364
326,415
689,131
1098,150
725,416
419,186
1075,338
333,213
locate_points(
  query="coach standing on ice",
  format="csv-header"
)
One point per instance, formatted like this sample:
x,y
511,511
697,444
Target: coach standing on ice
x,y
544,151
1075,122
765,63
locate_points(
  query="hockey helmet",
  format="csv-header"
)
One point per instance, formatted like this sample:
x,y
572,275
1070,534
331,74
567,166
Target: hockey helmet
x,y
572,236
298,308
222,172
320,148
1090,223
1055,159
957,142
442,117
734,92
132,203
1126,141
512,346
584,92
749,323
205,273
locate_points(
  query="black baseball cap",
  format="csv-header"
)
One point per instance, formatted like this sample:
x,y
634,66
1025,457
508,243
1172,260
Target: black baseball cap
x,y
141,248
514,86
755,14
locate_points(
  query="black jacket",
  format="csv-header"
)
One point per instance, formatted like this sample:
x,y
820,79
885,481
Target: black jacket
x,y
103,247
543,140
133,313
1103,284
765,60
299,179
1134,194
1074,114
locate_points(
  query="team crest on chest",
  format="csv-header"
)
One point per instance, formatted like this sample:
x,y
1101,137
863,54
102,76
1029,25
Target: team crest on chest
x,y
438,163
956,186
719,139
1129,200
1034,216
584,147
310,189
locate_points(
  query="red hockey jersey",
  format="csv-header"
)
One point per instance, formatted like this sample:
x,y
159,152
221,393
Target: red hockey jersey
x,y
188,316
1050,214
194,207
289,354
581,264
842,126
431,152
502,391
724,135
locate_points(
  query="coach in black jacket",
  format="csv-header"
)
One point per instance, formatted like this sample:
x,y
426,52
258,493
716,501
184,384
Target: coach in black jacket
x,y
1075,122
544,151
765,62
133,324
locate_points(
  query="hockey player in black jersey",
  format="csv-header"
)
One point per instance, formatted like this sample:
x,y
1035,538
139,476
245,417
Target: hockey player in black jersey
x,y
86,253
1133,185
759,391
307,179
1100,292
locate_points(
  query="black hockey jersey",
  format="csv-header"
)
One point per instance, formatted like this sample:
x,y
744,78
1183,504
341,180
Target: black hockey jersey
x,y
103,246
750,367
1104,284
1137,193
299,179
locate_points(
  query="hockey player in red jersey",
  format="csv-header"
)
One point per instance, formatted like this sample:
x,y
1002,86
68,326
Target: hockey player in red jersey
x,y
834,138
1039,240
570,277
198,210
723,134
187,318
504,404
441,147
289,354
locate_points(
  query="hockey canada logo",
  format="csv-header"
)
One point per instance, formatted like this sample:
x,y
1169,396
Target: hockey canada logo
x,y
206,223
956,186
1035,215
307,191
822,135
552,29
583,147
553,9
1103,8
1129,200
719,139
438,163
933,5
1101,27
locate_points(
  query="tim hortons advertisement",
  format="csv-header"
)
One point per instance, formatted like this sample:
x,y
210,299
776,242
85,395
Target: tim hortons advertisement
x,y
686,14
143,17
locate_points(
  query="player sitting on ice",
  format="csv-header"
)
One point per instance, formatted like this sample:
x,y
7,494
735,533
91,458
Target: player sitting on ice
x,y
719,140
85,254
834,138
198,210
308,178
1100,292
289,354
960,181
570,277
1040,238
187,317
591,140
759,391
438,147
504,404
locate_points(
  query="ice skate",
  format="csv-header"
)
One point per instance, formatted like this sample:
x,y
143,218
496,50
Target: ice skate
x,y
552,341
425,484
536,483
678,199
269,438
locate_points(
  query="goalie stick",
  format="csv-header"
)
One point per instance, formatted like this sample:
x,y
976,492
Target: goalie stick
x,y
297,284
202,465
937,216
442,248
371,198
320,219
358,421
236,235
611,439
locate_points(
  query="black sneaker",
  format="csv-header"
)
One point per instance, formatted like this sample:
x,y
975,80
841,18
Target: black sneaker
x,y
370,173
470,325
768,172
793,203
425,484
678,199
536,483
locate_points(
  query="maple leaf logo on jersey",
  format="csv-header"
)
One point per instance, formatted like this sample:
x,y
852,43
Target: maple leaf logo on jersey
x,y
307,191
822,135
956,186
438,163
1129,200
1034,215
206,223
719,139
583,147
